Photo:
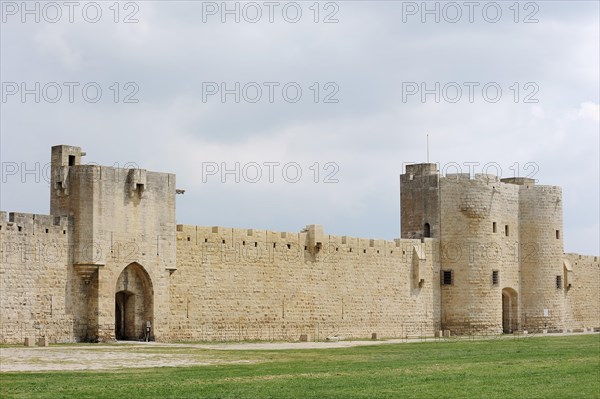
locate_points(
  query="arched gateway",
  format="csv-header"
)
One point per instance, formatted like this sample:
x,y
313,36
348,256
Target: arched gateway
x,y
134,304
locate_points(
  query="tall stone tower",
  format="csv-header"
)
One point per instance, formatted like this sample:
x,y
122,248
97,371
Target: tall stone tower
x,y
500,247
544,280
123,245
479,243
419,201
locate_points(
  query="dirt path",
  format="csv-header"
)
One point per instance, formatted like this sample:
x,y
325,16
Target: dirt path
x,y
141,354
152,354
101,357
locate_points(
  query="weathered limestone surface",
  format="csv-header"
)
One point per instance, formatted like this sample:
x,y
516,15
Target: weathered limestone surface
x,y
477,254
256,284
581,291
501,249
472,249
542,258
38,292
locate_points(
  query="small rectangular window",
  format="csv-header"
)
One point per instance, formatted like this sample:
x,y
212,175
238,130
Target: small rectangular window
x,y
558,281
71,160
493,227
495,277
506,230
558,234
447,277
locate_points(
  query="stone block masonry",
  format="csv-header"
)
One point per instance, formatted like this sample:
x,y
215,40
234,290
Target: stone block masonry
x,y
480,254
236,284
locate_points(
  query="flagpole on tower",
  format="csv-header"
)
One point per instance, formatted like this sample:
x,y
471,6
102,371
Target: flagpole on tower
x,y
427,147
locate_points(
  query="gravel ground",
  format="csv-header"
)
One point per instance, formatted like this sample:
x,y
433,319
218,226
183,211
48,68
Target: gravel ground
x,y
129,354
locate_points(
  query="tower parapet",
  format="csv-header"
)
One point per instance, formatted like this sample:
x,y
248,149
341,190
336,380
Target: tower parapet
x,y
521,181
421,169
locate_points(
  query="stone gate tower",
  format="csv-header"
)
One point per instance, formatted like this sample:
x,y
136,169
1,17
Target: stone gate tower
x,y
122,245
499,247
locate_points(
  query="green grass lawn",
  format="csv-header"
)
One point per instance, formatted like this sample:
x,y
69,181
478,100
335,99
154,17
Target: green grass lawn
x,y
538,367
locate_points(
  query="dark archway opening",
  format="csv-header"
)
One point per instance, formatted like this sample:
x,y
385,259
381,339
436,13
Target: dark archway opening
x,y
427,230
510,311
134,304
124,315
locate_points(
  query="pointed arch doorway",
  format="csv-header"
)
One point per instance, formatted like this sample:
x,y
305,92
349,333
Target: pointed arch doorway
x,y
134,303
510,311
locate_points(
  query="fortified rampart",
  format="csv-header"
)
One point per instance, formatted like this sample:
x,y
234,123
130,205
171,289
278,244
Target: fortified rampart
x,y
256,284
39,294
477,254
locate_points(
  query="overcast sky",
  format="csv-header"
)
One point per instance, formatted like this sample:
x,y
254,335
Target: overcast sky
x,y
342,92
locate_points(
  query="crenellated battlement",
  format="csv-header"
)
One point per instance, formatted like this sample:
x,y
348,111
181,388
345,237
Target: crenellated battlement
x,y
219,239
34,224
422,169
578,259
520,181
